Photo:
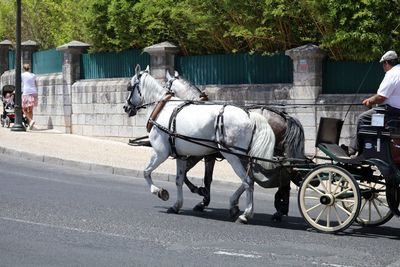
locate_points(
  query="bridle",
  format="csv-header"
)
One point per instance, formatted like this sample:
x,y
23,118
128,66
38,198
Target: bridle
x,y
129,107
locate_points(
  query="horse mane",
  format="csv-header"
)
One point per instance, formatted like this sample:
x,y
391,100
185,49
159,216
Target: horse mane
x,y
154,91
187,90
294,138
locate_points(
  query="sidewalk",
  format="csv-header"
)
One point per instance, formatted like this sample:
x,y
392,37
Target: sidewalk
x,y
95,154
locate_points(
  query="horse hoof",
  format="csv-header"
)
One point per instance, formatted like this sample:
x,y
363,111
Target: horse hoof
x,y
276,217
199,207
242,220
202,191
163,194
234,211
172,210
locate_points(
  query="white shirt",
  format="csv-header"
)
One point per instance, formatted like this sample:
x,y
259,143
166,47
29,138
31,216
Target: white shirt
x,y
390,87
28,83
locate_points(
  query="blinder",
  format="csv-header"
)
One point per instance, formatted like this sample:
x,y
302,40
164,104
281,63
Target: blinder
x,y
129,107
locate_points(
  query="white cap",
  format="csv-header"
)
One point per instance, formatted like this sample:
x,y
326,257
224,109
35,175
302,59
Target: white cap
x,y
389,55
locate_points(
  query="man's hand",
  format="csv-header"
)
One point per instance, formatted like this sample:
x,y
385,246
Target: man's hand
x,y
375,99
367,102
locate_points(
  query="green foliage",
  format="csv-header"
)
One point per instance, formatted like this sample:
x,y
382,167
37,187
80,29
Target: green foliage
x,y
348,29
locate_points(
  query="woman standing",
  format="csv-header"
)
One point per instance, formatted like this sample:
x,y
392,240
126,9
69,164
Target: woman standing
x,y
29,94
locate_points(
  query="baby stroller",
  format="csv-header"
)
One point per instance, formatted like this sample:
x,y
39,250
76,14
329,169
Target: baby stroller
x,y
8,115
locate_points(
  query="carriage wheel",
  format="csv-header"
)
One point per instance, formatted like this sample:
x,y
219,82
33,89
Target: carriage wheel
x,y
374,210
321,195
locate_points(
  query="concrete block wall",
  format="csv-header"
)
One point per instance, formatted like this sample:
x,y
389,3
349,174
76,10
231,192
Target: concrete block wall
x,y
54,110
97,107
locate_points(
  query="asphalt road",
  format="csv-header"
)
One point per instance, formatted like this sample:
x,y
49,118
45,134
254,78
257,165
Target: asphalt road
x,y
56,216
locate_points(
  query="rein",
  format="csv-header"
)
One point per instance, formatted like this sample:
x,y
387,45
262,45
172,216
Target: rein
x,y
198,141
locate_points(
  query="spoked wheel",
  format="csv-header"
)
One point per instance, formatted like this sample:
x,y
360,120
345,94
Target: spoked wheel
x,y
374,210
321,198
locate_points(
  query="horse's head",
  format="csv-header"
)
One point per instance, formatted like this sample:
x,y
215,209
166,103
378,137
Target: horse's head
x,y
134,101
183,88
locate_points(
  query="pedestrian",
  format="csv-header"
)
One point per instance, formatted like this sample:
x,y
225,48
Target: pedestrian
x,y
388,95
29,94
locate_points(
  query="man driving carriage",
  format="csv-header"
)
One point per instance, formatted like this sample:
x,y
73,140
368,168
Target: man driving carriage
x,y
388,94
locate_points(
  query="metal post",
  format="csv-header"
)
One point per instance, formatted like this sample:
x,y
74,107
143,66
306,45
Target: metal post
x,y
18,126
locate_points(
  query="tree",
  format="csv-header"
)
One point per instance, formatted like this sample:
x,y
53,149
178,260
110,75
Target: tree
x,y
347,29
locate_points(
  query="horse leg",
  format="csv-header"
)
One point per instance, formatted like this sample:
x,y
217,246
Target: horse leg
x,y
180,176
190,163
234,201
206,190
281,202
247,185
249,211
155,161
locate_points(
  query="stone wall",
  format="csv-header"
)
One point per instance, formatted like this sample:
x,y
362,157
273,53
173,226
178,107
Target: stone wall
x,y
95,107
98,110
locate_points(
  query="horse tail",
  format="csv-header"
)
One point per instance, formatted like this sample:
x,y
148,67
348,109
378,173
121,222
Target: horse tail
x,y
263,142
294,138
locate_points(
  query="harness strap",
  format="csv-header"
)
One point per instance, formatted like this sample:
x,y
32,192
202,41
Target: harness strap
x,y
201,142
157,109
220,132
172,127
220,126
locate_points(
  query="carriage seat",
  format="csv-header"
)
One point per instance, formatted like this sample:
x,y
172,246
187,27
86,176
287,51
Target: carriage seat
x,y
328,139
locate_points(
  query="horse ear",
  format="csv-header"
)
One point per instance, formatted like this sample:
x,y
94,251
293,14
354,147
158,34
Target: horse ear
x,y
168,75
147,69
137,70
176,74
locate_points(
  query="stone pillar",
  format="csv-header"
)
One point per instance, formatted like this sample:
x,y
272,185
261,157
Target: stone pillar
x,y
71,72
307,86
27,50
162,58
71,68
4,48
307,71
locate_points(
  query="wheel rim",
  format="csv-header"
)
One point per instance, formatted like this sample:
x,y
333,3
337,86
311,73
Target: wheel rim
x,y
374,209
321,198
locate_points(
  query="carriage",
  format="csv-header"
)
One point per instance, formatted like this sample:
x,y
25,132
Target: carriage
x,y
364,189
331,196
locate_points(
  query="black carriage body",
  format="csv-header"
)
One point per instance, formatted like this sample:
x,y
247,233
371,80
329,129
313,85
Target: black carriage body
x,y
380,148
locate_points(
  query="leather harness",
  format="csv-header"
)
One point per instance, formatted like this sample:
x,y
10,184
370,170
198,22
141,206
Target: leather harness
x,y
171,130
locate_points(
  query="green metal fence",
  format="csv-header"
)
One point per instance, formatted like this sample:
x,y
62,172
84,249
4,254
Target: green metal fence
x,y
11,59
113,65
47,61
235,69
346,77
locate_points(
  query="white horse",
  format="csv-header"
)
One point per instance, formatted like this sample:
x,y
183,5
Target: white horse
x,y
181,130
289,135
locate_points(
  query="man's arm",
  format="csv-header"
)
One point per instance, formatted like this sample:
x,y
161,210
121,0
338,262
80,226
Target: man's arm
x,y
375,99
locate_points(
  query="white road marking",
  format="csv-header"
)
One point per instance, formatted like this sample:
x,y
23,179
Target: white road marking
x,y
64,227
332,264
237,254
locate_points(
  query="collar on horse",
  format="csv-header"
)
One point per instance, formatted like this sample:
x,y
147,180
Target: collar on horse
x,y
157,109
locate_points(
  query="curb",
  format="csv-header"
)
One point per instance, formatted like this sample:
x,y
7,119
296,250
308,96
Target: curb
x,y
100,168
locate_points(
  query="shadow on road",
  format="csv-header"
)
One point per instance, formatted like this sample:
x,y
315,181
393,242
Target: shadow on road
x,y
292,223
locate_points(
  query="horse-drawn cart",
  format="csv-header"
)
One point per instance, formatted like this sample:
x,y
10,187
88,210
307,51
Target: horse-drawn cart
x,y
331,196
365,188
